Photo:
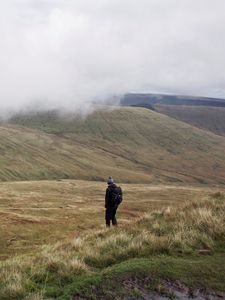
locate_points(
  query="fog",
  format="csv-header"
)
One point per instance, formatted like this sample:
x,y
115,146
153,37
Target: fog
x,y
67,53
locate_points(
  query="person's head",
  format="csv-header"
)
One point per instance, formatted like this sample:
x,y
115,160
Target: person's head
x,y
110,180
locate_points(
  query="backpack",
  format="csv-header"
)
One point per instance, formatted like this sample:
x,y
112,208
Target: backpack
x,y
116,196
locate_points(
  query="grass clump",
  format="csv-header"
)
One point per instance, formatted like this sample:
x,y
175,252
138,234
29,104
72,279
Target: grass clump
x,y
13,279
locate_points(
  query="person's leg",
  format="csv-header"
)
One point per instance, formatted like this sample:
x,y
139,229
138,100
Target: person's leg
x,y
107,217
114,221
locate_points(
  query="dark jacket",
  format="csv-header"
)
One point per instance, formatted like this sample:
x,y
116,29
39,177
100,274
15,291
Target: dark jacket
x,y
108,195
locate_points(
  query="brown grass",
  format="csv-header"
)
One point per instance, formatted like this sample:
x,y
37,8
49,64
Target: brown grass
x,y
188,227
36,213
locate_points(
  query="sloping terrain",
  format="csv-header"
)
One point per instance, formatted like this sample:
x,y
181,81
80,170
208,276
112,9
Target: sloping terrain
x,y
205,117
132,144
27,154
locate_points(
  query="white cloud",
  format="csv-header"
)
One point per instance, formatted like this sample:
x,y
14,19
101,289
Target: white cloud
x,y
69,52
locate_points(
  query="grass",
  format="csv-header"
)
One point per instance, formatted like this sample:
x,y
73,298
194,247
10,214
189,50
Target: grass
x,y
39,212
194,271
161,243
208,118
27,154
133,144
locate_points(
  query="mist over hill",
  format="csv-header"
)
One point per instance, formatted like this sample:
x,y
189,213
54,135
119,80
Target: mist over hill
x,y
131,144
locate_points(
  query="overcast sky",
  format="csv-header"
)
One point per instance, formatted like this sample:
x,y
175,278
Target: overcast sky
x,y
67,52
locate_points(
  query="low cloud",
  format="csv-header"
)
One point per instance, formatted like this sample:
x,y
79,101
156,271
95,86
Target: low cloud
x,y
64,53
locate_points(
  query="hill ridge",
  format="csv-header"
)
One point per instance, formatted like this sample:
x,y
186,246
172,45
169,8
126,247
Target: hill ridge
x,y
133,144
145,99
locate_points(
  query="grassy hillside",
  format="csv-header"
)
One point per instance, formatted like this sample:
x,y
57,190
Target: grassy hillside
x,y
27,154
146,255
208,118
132,144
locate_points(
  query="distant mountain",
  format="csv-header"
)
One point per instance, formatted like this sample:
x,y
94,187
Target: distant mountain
x,y
202,112
144,100
131,144
204,117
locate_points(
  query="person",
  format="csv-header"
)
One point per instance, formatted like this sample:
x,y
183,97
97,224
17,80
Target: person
x,y
113,197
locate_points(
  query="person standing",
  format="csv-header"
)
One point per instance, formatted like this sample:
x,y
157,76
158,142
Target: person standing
x,y
113,198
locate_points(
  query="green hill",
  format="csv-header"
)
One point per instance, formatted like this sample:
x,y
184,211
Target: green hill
x,y
132,144
204,117
28,154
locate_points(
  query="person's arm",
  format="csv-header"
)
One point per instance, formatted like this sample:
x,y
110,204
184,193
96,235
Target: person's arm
x,y
106,198
121,193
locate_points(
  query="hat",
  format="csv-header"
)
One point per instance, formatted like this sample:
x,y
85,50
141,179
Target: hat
x,y
110,180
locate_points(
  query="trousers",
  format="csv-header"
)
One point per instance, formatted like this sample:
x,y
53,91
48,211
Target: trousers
x,y
110,216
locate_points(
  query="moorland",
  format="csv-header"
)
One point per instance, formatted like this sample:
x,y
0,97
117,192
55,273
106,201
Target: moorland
x,y
171,234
